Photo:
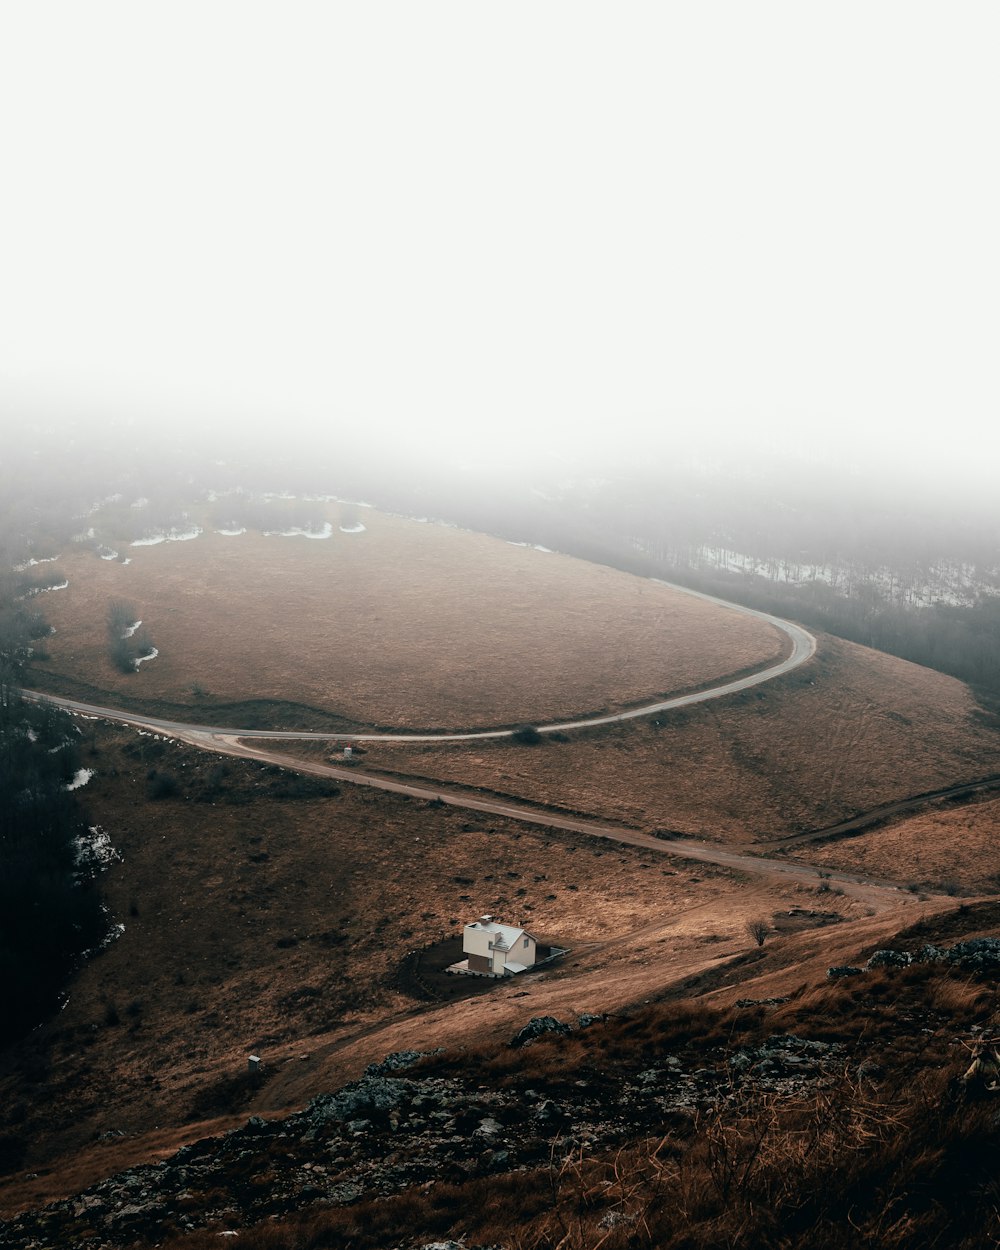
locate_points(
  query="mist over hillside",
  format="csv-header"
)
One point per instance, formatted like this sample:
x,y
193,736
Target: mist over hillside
x,y
902,561
363,369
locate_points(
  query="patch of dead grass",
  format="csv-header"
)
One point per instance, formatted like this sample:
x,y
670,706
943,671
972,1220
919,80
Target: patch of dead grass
x,y
850,730
405,625
944,848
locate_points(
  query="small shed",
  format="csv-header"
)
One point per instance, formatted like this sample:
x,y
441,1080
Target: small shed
x,y
498,949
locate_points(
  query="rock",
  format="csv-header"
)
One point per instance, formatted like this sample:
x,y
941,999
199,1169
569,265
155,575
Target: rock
x,y
536,1028
344,1191
398,1061
843,970
784,1055
615,1219
371,1096
981,954
889,959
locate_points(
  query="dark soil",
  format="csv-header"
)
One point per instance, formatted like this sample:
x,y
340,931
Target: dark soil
x,y
422,974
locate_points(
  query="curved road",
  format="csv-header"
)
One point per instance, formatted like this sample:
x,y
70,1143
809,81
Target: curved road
x,y
803,648
227,741
878,894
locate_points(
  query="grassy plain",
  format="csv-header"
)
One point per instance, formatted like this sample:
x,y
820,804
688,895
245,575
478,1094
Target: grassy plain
x,y
406,624
266,914
850,730
948,846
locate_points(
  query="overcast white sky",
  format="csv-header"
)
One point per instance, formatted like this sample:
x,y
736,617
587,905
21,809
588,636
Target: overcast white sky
x,y
545,219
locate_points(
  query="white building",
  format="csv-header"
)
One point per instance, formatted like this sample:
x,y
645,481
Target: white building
x,y
500,949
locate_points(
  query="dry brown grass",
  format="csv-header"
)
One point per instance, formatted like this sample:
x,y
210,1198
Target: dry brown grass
x,y
256,923
780,1174
944,848
404,625
852,729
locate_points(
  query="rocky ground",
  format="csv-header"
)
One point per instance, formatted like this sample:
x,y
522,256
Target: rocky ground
x,y
398,1127
553,1090
395,1128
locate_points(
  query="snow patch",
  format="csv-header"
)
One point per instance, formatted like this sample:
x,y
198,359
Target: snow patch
x,y
80,779
107,553
297,531
356,503
130,630
113,934
141,659
356,528
168,536
41,590
94,851
234,533
30,564
951,582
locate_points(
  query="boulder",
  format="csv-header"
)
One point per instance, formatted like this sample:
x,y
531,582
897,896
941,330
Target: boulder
x,y
536,1028
372,1097
889,959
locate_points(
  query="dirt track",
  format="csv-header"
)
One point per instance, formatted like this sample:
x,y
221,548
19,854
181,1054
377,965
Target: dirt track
x,y
879,895
857,824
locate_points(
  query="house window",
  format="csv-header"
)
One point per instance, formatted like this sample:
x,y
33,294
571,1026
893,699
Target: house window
x,y
526,941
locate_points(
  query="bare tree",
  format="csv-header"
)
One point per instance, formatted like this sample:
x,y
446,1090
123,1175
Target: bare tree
x,y
759,929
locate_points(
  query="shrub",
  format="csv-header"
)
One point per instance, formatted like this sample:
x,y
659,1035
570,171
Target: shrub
x,y
161,785
758,929
527,735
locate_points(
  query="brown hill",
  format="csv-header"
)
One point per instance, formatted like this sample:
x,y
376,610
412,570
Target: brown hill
x,y
264,914
946,847
402,625
850,730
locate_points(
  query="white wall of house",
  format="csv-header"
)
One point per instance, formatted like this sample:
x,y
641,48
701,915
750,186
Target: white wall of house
x,y
476,940
516,946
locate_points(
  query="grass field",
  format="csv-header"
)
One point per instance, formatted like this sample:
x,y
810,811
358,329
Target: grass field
x,y
264,916
406,624
852,729
949,846
267,913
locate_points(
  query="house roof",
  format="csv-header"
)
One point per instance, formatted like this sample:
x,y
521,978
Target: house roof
x,y
505,933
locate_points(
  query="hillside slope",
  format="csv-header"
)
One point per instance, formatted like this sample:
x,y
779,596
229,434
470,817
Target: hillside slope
x,y
405,624
850,730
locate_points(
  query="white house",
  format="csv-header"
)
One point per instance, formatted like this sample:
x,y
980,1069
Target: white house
x,y
500,949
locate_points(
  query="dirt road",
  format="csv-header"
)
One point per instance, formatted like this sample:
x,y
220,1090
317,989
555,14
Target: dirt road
x,y
880,895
